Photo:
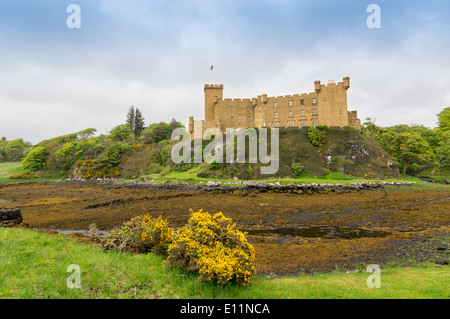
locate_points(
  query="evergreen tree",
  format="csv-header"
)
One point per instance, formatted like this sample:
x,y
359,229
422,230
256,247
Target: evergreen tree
x,y
131,118
139,124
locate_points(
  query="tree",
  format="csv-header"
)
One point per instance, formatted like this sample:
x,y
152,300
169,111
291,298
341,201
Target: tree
x,y
130,117
139,124
86,134
444,120
157,132
443,134
409,149
13,151
36,158
121,133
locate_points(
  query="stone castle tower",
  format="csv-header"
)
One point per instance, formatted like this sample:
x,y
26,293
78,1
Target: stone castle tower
x,y
326,106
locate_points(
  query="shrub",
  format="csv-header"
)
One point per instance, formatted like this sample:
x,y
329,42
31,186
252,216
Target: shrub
x,y
318,135
36,158
141,234
213,246
297,169
214,165
88,169
26,175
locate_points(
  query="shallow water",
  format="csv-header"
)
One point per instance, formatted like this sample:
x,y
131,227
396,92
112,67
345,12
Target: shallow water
x,y
320,231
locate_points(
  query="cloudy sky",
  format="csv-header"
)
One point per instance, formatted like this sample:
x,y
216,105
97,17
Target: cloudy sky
x,y
157,54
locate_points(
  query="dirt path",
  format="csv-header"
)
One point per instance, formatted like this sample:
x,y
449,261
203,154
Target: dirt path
x,y
291,233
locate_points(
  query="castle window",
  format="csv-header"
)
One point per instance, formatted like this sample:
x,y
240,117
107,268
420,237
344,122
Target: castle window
x,y
248,108
314,101
291,114
275,104
264,116
264,124
248,119
275,124
275,115
264,108
291,123
324,98
314,123
302,113
302,124
231,108
340,111
302,102
314,112
232,119
290,103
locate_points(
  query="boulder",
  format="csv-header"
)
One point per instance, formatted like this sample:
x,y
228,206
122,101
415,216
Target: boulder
x,y
10,217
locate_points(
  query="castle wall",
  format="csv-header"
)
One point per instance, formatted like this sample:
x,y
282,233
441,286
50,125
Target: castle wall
x,y
326,106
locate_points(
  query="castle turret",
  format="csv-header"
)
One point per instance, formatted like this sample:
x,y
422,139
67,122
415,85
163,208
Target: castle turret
x,y
213,93
346,82
317,86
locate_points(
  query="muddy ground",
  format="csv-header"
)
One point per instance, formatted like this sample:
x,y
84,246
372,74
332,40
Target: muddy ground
x,y
291,233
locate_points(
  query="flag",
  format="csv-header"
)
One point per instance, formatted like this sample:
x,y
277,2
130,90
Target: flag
x,y
212,67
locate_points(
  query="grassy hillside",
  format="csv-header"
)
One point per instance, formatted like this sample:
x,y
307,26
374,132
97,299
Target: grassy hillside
x,y
346,151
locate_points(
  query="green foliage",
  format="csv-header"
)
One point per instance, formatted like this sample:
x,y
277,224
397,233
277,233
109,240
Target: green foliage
x,y
158,132
121,133
86,134
135,121
36,158
409,149
214,166
444,120
13,151
318,135
114,155
411,152
70,153
297,169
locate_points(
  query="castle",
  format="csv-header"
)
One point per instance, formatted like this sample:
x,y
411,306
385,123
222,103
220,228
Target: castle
x,y
326,106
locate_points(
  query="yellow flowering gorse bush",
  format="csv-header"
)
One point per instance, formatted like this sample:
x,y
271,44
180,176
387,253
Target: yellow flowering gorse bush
x,y
214,247
141,234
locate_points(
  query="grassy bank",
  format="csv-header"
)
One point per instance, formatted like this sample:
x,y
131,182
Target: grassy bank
x,y
7,169
34,265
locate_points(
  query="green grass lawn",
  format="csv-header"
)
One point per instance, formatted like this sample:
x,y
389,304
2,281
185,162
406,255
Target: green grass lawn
x,y
6,169
34,265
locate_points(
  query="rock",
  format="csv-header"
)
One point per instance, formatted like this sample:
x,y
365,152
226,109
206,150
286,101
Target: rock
x,y
262,184
442,261
10,217
213,184
249,184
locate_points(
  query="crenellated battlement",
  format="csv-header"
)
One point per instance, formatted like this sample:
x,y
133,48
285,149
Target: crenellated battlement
x,y
213,86
325,105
